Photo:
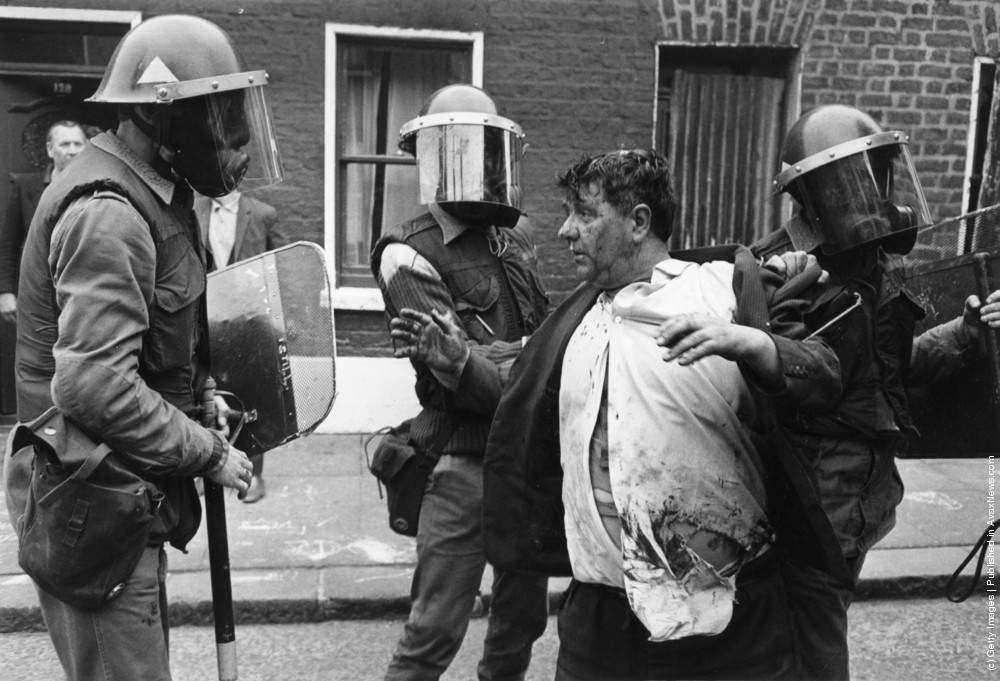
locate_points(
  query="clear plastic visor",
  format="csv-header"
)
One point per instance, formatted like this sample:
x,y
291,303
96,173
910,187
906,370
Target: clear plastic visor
x,y
246,146
469,162
866,197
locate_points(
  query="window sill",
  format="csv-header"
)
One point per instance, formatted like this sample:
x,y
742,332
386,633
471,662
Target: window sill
x,y
362,299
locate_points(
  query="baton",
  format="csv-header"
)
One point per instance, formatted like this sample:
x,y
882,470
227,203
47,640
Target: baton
x,y
218,555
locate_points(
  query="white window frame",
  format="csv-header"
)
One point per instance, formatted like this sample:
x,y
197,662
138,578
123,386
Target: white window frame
x,y
970,141
103,16
358,298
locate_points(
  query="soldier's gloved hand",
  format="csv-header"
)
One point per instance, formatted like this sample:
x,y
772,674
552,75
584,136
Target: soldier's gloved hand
x,y
435,339
794,263
234,470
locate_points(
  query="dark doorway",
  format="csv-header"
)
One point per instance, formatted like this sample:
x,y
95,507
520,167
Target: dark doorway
x,y
50,61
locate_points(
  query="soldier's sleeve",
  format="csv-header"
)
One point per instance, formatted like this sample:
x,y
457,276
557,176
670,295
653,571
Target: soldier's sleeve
x,y
812,372
939,352
409,280
104,268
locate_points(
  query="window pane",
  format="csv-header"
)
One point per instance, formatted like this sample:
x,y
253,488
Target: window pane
x,y
402,200
358,200
383,85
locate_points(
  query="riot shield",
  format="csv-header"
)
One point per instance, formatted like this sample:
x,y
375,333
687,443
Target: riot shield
x,y
271,338
271,341
958,417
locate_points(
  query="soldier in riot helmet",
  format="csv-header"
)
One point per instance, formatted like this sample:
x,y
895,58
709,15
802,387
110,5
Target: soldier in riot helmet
x,y
110,324
468,260
858,205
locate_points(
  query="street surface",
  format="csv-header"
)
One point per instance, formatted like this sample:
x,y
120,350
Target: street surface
x,y
904,640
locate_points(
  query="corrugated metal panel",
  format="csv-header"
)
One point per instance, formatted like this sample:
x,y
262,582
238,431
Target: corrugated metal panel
x,y
724,140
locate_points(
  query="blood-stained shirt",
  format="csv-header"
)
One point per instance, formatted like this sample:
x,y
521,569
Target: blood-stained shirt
x,y
681,468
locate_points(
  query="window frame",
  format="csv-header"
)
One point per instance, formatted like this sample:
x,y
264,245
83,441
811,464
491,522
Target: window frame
x,y
354,297
127,18
978,129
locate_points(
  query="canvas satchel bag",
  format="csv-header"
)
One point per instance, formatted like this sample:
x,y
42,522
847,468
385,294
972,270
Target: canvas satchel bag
x,y
403,468
82,519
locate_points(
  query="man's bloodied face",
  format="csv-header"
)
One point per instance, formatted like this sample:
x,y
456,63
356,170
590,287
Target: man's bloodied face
x,y
600,238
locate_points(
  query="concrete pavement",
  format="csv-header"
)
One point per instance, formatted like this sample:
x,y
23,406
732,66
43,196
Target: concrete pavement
x,y
318,545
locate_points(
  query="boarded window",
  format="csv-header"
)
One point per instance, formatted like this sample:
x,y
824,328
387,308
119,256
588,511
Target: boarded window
x,y
722,114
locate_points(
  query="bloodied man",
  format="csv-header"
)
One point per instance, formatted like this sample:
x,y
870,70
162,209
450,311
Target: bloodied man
x,y
638,476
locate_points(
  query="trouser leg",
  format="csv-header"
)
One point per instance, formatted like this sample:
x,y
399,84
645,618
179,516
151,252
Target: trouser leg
x,y
819,612
450,565
126,639
518,615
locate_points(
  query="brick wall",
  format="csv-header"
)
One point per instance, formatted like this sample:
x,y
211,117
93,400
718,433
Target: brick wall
x,y
579,76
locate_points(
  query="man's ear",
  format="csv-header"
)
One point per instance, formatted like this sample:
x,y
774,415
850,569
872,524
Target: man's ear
x,y
642,221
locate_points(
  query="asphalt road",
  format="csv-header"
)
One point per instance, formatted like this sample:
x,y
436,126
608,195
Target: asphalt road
x,y
904,640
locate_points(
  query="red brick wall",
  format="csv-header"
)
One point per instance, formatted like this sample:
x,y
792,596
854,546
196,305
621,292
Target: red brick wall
x,y
579,76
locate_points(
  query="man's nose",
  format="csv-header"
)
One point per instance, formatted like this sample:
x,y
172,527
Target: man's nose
x,y
568,230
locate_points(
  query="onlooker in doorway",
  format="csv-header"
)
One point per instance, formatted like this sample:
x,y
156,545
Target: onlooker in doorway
x,y
65,139
235,227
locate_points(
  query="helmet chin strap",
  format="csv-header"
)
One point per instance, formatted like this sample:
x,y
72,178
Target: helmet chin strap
x,y
157,130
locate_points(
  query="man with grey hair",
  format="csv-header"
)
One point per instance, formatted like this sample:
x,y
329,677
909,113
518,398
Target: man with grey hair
x,y
65,139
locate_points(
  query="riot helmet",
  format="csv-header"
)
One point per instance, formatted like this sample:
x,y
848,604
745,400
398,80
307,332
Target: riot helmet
x,y
468,156
214,127
854,183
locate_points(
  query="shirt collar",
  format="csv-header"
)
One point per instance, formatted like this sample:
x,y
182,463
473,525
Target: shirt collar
x,y
161,186
668,269
451,227
228,202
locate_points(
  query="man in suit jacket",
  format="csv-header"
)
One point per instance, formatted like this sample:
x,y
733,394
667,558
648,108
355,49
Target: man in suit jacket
x,y
235,227
64,141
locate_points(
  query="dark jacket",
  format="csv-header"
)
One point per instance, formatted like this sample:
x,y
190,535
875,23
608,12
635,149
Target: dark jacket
x,y
110,320
851,436
25,191
496,298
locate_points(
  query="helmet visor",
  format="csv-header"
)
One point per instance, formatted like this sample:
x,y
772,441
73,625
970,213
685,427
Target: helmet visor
x,y
466,162
867,197
245,142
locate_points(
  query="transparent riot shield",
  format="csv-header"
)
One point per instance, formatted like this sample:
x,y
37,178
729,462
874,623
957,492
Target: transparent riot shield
x,y
271,335
958,417
271,341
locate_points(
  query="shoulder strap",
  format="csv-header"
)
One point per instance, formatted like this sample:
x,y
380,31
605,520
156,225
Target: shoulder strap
x,y
437,447
93,460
